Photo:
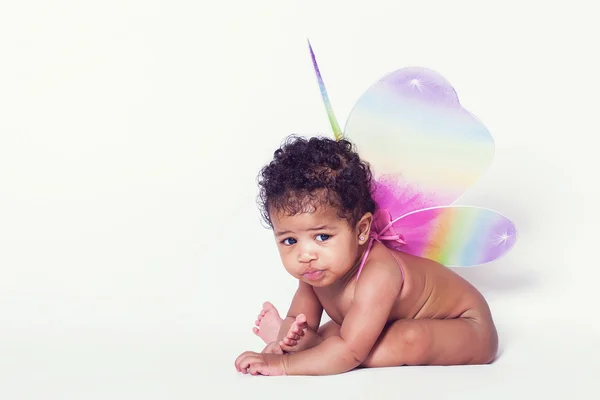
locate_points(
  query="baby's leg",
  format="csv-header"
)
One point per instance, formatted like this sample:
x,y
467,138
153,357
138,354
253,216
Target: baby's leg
x,y
328,329
459,341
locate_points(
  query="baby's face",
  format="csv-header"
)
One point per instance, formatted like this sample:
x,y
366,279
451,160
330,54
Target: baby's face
x,y
316,247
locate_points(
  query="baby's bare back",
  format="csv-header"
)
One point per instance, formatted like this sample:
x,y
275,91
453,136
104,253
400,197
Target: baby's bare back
x,y
430,291
433,291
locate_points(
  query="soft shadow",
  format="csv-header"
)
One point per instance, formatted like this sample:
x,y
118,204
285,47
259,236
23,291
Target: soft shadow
x,y
500,277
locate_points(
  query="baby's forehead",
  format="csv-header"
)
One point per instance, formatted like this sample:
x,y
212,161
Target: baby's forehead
x,y
306,219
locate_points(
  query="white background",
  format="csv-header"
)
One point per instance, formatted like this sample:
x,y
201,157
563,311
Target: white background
x,y
132,258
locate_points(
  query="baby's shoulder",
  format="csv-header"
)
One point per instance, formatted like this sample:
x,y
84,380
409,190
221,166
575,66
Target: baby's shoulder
x,y
394,262
413,262
382,263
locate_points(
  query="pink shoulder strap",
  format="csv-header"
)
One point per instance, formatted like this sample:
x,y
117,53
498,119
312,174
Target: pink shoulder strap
x,y
382,232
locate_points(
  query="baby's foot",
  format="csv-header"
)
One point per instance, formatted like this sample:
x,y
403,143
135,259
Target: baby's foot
x,y
268,323
295,334
273,348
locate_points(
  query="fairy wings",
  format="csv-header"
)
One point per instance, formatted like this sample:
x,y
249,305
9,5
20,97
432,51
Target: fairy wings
x,y
425,151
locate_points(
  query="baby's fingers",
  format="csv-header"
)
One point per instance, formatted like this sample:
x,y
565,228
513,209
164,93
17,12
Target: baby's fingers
x,y
245,360
256,368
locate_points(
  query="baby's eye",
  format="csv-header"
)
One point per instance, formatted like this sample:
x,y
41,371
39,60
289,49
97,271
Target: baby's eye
x,y
288,241
323,237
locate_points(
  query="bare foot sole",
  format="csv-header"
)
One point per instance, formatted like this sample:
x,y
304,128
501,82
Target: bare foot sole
x,y
268,323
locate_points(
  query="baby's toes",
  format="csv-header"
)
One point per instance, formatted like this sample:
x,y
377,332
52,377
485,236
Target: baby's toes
x,y
299,327
301,319
296,333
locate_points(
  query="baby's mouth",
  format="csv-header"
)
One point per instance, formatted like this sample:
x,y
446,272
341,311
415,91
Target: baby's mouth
x,y
313,274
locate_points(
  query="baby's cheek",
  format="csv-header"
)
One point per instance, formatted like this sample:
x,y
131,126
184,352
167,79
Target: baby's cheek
x,y
340,258
285,261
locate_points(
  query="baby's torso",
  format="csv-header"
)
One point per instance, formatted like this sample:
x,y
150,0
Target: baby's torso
x,y
430,290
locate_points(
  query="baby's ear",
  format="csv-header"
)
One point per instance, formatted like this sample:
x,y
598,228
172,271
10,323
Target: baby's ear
x,y
363,226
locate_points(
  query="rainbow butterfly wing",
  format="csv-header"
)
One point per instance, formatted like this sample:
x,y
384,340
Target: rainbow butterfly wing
x,y
417,137
422,145
457,236
425,151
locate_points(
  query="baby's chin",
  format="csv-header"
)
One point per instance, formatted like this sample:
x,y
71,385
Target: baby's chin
x,y
327,278
319,279
320,284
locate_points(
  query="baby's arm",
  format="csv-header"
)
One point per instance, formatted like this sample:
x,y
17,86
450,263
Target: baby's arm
x,y
375,294
305,302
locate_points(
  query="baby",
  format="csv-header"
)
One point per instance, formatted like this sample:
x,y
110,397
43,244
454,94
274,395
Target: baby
x,y
387,308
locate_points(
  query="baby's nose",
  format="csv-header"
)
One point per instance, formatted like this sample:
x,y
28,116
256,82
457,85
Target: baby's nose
x,y
307,254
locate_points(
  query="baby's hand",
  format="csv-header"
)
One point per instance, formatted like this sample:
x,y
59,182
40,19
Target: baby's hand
x,y
290,342
260,364
273,348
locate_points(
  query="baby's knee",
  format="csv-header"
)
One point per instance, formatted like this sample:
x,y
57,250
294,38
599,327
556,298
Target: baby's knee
x,y
490,347
414,340
486,354
487,342
402,343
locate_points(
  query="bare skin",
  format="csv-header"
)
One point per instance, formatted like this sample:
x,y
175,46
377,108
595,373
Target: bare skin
x,y
438,319
431,316
268,323
268,327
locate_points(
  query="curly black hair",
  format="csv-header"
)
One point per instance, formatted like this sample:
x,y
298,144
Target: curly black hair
x,y
307,173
